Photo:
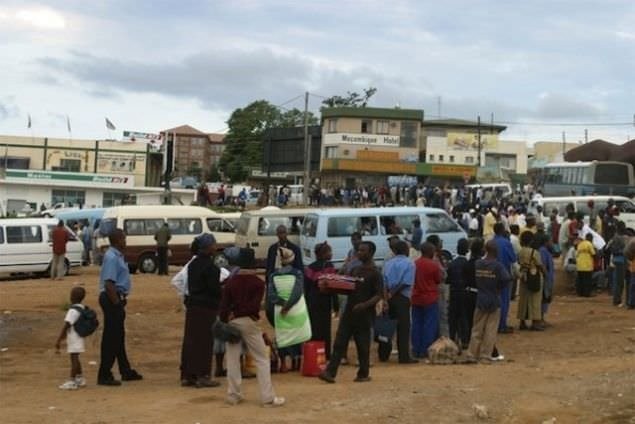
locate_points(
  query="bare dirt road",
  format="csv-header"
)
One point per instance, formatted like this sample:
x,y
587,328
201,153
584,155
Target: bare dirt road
x,y
581,370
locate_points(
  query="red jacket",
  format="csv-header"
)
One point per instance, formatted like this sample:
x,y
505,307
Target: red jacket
x,y
428,276
60,238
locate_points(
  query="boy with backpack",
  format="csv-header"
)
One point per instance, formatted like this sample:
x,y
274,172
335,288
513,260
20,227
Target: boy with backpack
x,y
80,322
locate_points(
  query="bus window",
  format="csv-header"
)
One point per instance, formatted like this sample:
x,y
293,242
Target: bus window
x,y
611,173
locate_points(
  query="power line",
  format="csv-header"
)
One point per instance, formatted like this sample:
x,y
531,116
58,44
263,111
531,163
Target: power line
x,y
567,124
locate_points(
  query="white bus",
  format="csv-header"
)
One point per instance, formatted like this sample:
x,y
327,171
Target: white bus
x,y
336,226
26,246
586,178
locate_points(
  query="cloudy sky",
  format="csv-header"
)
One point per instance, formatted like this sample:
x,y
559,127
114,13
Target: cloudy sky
x,y
150,65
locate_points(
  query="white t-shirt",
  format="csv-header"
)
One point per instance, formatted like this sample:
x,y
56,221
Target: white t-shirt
x,y
473,225
74,342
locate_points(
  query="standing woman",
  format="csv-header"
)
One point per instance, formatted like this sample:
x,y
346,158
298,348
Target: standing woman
x,y
202,303
530,296
320,304
476,253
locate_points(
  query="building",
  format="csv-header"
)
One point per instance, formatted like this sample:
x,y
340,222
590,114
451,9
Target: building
x,y
602,150
194,151
365,146
77,172
283,158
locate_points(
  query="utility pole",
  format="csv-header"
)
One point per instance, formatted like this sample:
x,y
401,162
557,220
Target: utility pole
x,y
491,123
586,135
478,125
307,147
564,144
439,107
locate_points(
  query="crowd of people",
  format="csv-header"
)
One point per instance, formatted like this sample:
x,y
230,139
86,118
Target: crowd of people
x,y
510,254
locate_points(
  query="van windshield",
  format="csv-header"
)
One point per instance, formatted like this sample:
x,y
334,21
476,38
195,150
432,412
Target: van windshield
x,y
242,225
267,225
309,227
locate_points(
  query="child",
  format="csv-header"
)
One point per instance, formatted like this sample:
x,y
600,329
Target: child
x,y
74,342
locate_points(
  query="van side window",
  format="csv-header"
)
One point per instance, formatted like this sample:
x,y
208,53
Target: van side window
x,y
344,226
24,234
219,225
397,225
440,223
142,227
309,228
185,226
1,235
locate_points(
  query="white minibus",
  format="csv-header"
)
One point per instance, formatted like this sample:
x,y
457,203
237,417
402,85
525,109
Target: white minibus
x,y
26,246
257,229
140,224
375,224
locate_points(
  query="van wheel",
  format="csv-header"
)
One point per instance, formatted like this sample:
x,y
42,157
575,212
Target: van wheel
x,y
148,263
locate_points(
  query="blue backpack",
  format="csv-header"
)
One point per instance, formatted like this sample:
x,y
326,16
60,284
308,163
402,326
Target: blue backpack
x,y
87,322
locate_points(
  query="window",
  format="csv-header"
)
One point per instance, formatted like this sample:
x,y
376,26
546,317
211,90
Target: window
x,y
185,226
142,227
332,125
219,225
451,159
1,235
110,199
68,197
440,223
436,132
309,227
431,158
12,162
330,152
408,134
396,225
367,126
613,174
440,158
242,226
346,225
24,234
469,159
382,127
267,225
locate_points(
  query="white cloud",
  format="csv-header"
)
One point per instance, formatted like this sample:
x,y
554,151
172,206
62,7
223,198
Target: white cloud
x,y
625,35
35,17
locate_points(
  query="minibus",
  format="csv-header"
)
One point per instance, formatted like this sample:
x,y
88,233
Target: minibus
x,y
26,246
336,225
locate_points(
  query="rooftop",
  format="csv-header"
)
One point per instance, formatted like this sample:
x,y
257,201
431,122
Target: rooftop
x,y
372,112
185,130
460,123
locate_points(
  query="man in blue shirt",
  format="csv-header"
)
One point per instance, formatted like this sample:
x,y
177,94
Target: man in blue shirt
x,y
417,234
506,256
114,287
399,277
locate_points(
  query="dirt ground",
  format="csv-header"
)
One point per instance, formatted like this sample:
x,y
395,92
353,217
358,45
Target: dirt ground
x,y
581,370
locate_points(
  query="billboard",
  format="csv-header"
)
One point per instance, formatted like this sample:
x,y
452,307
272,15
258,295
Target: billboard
x,y
364,139
154,140
469,141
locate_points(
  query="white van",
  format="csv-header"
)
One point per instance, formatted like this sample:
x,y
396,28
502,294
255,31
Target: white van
x,y
504,188
625,205
336,226
141,223
26,246
257,229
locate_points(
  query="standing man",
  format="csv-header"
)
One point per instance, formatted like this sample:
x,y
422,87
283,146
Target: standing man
x,y
357,319
399,276
114,287
488,223
417,234
424,299
457,273
491,278
60,237
507,258
162,237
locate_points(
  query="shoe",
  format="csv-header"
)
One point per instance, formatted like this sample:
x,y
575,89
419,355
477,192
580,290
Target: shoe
x,y
362,379
536,328
80,381
69,385
187,383
276,402
206,382
324,376
498,358
233,399
109,382
132,375
523,327
409,361
506,330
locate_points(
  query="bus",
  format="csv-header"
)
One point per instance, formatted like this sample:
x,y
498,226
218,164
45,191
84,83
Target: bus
x,y
586,178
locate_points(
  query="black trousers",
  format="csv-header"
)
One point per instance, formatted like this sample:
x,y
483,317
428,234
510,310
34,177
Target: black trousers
x,y
585,283
162,256
458,319
357,326
399,309
113,339
470,307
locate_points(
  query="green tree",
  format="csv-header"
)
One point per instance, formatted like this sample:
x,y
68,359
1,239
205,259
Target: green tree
x,y
243,141
352,99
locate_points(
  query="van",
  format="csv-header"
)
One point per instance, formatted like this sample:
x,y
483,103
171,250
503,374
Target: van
x,y
625,206
504,188
26,246
81,217
140,223
257,229
336,226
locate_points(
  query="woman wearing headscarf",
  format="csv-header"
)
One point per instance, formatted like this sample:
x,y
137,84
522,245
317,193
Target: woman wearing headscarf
x,y
287,258
530,298
202,304
320,304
